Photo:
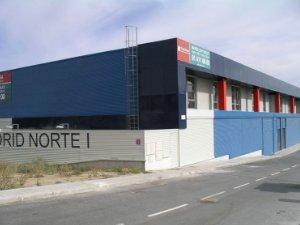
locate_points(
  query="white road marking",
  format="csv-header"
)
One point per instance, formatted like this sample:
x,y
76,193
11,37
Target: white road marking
x,y
294,165
120,224
168,210
273,174
242,185
214,195
262,178
286,169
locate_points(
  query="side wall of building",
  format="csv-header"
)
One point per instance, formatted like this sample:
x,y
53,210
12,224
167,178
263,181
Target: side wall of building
x,y
88,85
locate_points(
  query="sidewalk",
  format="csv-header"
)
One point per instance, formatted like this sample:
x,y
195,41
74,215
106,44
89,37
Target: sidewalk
x,y
48,191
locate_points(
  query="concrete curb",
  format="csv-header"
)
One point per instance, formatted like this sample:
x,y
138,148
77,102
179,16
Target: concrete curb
x,y
65,189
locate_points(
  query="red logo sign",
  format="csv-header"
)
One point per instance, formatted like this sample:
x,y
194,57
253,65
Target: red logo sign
x,y
5,77
183,50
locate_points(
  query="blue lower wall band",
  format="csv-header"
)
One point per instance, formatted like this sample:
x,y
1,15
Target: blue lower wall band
x,y
239,133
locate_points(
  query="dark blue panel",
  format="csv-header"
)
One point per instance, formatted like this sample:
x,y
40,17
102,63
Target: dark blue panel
x,y
182,95
88,85
158,85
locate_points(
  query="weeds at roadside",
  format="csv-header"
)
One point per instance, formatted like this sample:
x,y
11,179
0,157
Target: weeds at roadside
x,y
14,175
8,180
65,170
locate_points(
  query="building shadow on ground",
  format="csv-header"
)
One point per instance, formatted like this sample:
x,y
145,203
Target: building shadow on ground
x,y
279,187
289,200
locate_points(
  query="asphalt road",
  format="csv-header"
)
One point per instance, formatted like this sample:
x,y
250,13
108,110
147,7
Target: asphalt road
x,y
265,192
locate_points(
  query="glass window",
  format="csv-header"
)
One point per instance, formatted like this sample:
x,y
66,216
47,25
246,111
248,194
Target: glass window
x,y
191,92
265,97
252,99
236,98
214,97
249,102
284,104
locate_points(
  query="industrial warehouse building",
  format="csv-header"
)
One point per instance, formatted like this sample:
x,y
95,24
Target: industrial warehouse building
x,y
157,105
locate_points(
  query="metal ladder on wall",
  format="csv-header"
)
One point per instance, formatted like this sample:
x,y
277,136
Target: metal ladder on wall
x,y
131,73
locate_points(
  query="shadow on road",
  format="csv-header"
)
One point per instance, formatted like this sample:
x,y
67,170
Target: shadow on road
x,y
279,187
289,200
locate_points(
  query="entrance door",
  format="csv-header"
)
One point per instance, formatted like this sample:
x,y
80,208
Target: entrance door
x,y
281,133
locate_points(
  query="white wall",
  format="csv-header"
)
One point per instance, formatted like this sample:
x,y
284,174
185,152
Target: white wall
x,y
197,140
161,149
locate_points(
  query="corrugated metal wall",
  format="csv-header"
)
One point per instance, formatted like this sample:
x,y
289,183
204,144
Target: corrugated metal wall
x,y
197,140
87,85
293,130
239,133
104,145
268,136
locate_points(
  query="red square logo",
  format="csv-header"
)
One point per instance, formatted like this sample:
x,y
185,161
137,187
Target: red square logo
x,y
183,51
5,77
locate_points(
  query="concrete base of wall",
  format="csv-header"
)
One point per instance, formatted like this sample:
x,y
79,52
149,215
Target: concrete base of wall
x,y
288,150
251,154
113,164
221,158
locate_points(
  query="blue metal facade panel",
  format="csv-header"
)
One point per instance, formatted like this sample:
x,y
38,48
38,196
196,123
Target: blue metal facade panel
x,y
268,137
82,86
236,133
226,137
239,133
293,131
251,136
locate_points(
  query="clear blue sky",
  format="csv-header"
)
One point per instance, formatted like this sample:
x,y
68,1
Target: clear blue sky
x,y
264,35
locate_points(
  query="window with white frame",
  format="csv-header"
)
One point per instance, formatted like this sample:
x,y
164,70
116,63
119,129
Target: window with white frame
x,y
214,96
284,104
264,99
248,99
236,97
252,100
191,92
